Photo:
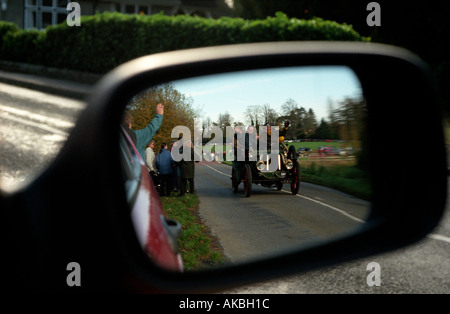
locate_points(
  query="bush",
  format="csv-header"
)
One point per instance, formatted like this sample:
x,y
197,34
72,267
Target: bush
x,y
20,46
6,27
106,40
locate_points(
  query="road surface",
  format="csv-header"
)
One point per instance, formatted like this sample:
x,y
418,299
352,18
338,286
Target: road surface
x,y
33,128
270,220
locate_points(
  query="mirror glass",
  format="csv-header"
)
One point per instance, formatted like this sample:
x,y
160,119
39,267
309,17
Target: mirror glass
x,y
247,164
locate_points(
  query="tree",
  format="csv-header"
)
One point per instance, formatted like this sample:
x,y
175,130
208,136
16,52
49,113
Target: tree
x,y
253,115
288,107
178,111
206,124
350,117
291,113
333,121
323,130
224,120
309,123
421,27
269,114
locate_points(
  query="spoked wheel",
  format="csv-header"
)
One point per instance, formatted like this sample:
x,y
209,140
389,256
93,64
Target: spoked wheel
x,y
233,180
247,180
295,184
292,153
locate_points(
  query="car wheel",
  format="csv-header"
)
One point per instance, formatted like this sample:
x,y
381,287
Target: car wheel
x,y
292,153
295,183
279,185
247,180
233,180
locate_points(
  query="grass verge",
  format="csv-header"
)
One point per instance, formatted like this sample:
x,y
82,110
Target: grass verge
x,y
199,249
348,179
339,175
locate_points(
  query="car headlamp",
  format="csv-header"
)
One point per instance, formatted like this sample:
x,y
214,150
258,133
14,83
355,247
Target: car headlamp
x,y
289,164
260,165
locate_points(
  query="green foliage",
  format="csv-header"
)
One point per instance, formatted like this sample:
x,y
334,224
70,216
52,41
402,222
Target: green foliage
x,y
20,45
6,27
196,245
178,110
104,41
348,179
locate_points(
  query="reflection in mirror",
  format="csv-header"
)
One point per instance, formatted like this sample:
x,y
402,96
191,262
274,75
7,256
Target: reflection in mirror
x,y
250,164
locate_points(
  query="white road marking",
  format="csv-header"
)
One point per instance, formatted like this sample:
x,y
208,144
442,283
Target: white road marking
x,y
34,124
431,236
225,174
25,93
35,117
331,207
439,237
309,199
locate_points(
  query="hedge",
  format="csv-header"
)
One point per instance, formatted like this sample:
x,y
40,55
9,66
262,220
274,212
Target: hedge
x,y
106,40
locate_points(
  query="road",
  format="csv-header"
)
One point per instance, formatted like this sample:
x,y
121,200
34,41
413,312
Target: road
x,y
270,220
422,268
34,125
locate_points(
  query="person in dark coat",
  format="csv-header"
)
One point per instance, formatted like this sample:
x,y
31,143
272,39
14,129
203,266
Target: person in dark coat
x,y
175,180
282,132
164,163
187,168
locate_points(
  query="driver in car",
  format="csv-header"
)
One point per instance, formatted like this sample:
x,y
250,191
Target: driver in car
x,y
281,134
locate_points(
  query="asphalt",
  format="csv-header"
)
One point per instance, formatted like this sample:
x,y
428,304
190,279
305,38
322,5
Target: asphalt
x,y
62,82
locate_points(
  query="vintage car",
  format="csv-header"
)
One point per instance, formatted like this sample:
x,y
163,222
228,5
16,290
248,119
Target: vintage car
x,y
285,170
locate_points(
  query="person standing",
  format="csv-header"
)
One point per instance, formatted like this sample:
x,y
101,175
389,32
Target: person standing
x,y
282,132
175,181
187,168
143,136
251,139
164,163
150,160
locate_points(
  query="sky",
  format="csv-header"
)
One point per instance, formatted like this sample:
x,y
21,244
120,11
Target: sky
x,y
310,87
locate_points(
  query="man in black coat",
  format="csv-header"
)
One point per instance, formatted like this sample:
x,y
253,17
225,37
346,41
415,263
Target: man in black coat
x,y
187,169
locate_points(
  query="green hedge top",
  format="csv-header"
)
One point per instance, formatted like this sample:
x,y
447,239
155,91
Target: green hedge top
x,y
106,40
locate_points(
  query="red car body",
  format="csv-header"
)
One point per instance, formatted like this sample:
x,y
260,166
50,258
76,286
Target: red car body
x,y
156,233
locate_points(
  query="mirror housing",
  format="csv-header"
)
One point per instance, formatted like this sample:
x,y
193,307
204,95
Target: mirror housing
x,y
76,211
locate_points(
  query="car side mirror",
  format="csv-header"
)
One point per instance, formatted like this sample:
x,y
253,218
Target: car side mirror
x,y
78,210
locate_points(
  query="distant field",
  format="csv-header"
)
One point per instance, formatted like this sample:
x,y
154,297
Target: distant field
x,y
316,145
313,145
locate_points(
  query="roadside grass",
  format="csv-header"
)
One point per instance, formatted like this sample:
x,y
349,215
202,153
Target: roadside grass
x,y
342,176
338,174
315,145
198,248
